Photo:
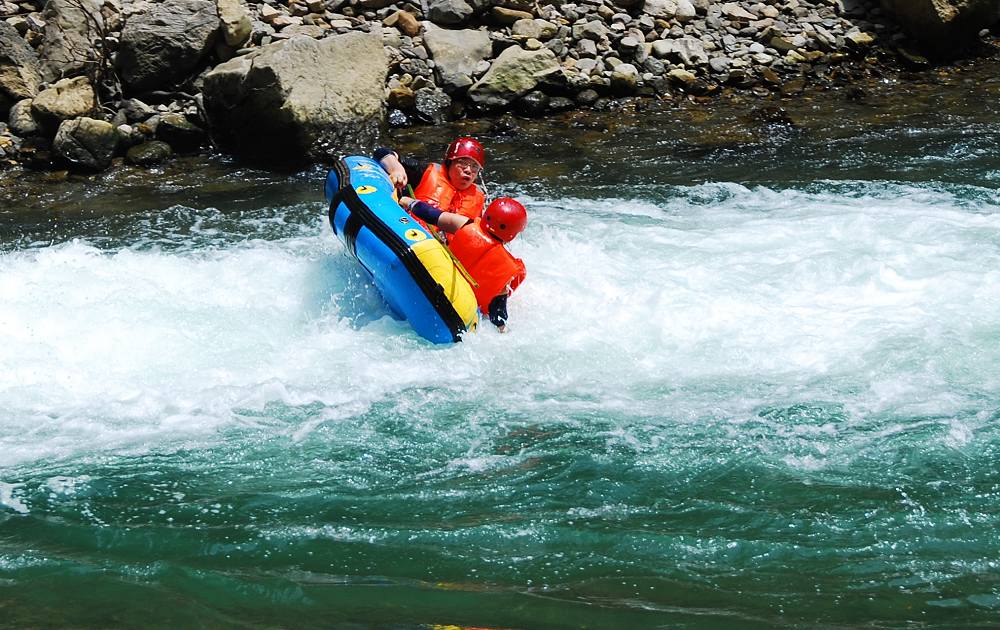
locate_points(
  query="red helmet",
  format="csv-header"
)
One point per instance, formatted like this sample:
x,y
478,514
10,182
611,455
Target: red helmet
x,y
505,218
467,148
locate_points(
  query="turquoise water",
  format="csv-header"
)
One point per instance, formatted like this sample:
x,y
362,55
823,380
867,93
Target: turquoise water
x,y
744,387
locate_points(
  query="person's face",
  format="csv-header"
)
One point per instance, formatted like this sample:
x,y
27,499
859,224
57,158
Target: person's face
x,y
463,172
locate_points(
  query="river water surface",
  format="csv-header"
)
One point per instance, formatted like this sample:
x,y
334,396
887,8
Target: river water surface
x,y
753,380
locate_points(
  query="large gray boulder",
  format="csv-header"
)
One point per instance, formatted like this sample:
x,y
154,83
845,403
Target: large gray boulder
x,y
299,99
164,43
65,99
71,26
456,54
86,143
513,74
944,26
20,72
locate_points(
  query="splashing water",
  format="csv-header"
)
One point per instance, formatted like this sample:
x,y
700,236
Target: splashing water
x,y
719,404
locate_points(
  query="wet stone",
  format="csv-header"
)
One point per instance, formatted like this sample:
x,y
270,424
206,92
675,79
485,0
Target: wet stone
x,y
149,153
534,103
431,105
587,97
398,118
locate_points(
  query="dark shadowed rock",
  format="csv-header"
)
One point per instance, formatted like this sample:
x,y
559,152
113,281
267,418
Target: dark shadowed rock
x,y
771,115
398,119
587,97
561,104
135,110
534,103
432,106
149,153
505,126
944,27
20,72
165,43
448,12
86,143
628,5
180,133
35,152
299,99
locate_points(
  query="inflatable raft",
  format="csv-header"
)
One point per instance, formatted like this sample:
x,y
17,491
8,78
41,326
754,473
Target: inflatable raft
x,y
415,274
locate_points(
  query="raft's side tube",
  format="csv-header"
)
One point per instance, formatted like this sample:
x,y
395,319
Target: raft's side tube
x,y
414,273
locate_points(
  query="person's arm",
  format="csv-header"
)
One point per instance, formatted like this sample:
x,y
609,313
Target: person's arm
x,y
449,222
498,312
389,160
401,171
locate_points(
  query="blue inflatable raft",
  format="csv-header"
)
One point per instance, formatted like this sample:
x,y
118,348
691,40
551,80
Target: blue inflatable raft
x,y
415,274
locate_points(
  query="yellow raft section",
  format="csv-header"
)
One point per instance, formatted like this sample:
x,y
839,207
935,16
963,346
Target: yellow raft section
x,y
444,269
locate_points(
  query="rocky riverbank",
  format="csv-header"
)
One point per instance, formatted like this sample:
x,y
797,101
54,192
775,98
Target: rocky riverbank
x,y
85,84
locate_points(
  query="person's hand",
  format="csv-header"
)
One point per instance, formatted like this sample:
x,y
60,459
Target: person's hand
x,y
502,328
395,170
404,202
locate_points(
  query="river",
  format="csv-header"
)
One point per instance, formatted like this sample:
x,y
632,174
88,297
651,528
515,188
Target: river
x,y
753,380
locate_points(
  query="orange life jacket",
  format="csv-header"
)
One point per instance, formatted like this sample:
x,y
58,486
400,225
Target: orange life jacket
x,y
437,190
487,261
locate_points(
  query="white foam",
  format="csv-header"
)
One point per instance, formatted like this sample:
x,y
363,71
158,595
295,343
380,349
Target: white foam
x,y
9,498
885,298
